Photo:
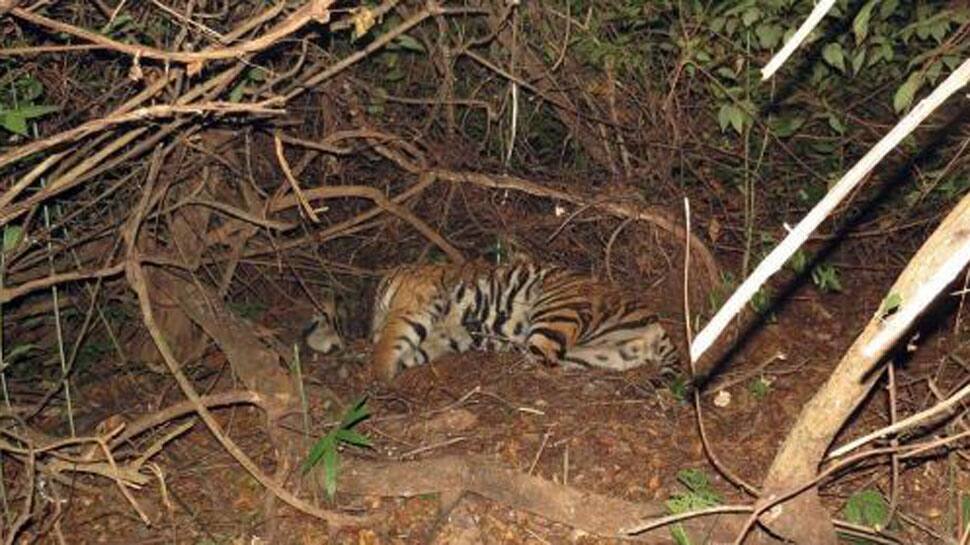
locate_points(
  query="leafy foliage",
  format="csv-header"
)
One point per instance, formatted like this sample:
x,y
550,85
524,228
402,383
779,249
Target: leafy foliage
x,y
699,495
826,277
867,508
326,448
19,106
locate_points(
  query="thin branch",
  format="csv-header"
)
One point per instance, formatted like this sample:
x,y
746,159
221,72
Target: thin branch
x,y
315,10
9,294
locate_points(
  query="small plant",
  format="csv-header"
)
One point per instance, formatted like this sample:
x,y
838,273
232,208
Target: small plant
x,y
18,106
699,495
326,448
799,261
759,388
678,387
890,305
867,508
826,277
761,302
252,77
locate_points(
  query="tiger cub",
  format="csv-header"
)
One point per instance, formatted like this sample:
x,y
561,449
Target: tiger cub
x,y
422,312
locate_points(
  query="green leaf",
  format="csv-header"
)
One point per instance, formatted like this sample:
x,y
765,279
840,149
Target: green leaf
x,y
891,304
18,351
867,507
858,60
933,72
907,92
836,124
353,438
235,95
951,61
330,461
355,414
680,535
750,15
887,8
798,261
834,56
826,277
407,43
12,235
14,122
731,115
860,25
769,35
965,509
325,443
783,127
29,88
30,111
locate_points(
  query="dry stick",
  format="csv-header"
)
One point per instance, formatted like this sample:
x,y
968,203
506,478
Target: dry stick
x,y
650,215
138,282
780,255
9,294
157,418
366,192
732,477
818,12
310,212
315,10
28,499
767,503
240,214
147,112
379,42
36,146
910,421
10,194
15,51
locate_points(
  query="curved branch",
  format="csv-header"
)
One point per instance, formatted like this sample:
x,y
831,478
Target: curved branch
x,y
315,10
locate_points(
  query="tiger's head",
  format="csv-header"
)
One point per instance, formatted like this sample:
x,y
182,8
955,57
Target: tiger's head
x,y
322,334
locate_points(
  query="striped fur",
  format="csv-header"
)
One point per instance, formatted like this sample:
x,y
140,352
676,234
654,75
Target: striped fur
x,y
423,312
323,332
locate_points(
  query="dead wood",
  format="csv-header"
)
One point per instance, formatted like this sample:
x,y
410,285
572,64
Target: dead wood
x,y
803,518
576,508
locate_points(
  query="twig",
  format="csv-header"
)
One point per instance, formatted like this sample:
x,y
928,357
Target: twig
x,y
383,202
314,10
140,114
138,282
780,255
9,294
310,212
671,519
910,421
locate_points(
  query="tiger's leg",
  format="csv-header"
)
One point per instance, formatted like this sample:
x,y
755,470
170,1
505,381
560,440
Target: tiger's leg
x,y
552,340
399,344
407,340
624,349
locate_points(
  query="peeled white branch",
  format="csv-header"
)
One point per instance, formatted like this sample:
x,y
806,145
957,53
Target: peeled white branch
x,y
814,18
777,258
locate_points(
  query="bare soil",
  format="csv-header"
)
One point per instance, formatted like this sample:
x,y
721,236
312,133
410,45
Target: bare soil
x,y
625,435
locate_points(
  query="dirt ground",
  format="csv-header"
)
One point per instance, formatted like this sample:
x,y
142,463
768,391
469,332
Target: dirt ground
x,y
625,435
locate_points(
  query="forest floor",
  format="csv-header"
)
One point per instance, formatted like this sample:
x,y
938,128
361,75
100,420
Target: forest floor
x,y
624,435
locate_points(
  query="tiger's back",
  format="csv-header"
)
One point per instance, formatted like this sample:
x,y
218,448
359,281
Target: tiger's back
x,y
423,312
